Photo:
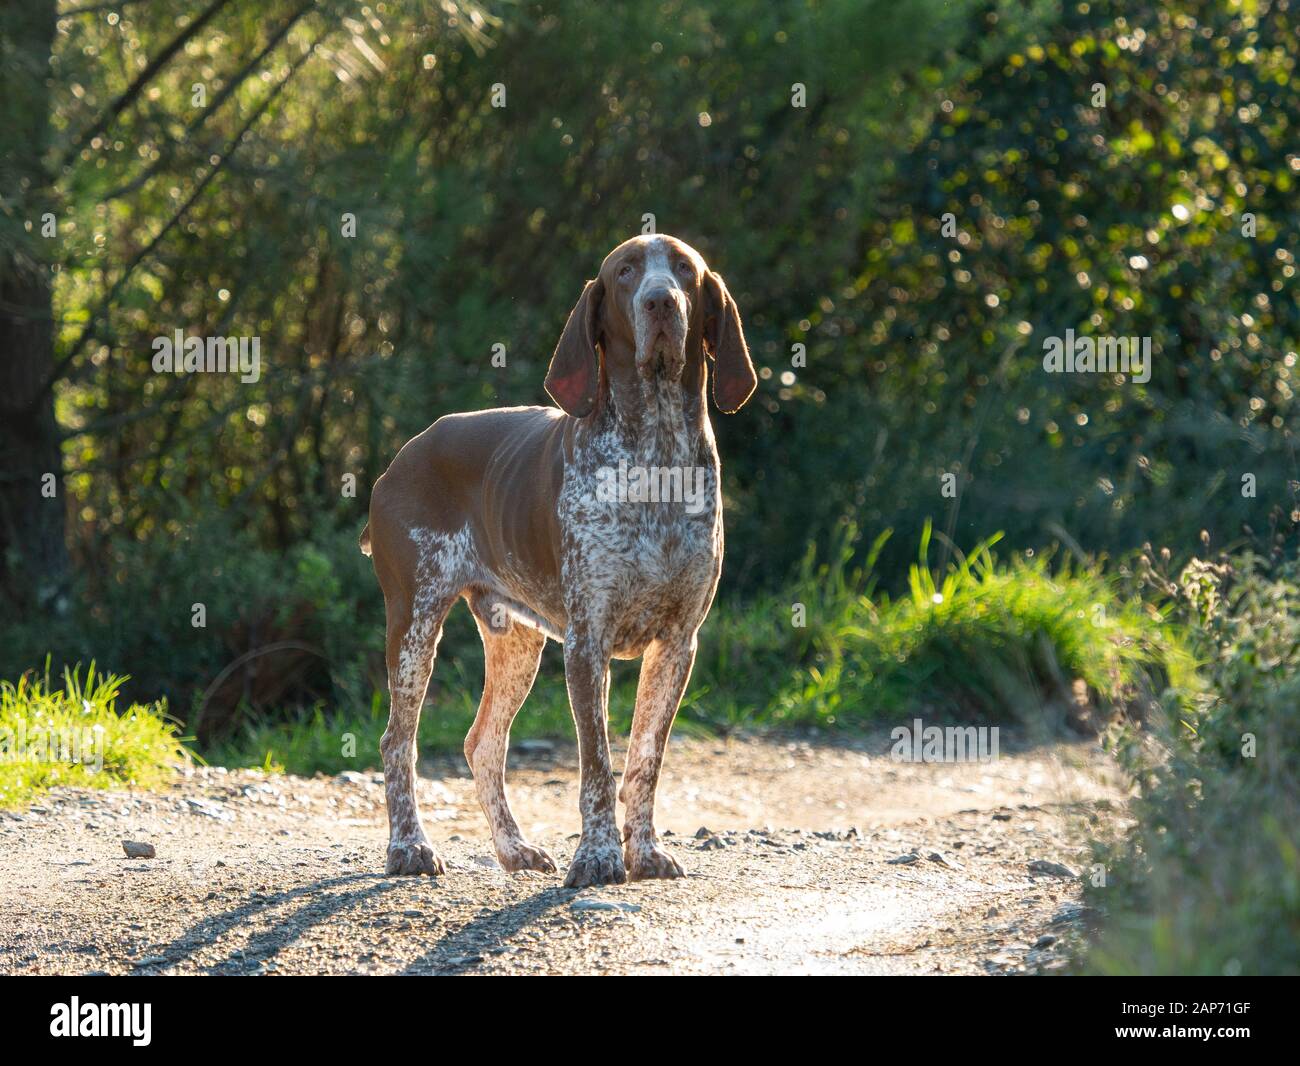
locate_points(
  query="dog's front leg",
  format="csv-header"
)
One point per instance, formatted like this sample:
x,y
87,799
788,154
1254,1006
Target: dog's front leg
x,y
599,858
665,670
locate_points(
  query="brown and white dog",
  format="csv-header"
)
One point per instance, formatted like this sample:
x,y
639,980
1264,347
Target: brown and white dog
x,y
527,513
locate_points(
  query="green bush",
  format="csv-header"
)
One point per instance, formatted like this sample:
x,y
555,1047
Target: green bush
x,y
923,344
279,629
1208,882
988,641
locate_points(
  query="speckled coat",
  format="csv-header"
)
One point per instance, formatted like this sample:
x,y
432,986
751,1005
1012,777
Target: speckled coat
x,y
504,508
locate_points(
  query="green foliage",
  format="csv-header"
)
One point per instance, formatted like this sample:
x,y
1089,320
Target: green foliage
x,y
75,735
277,628
1122,220
994,639
987,642
366,340
333,739
223,216
1208,882
477,225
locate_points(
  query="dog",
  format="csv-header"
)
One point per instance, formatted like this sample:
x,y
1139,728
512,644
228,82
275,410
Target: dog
x,y
531,516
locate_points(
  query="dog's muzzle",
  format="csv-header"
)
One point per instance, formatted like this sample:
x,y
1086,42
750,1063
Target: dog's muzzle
x,y
661,332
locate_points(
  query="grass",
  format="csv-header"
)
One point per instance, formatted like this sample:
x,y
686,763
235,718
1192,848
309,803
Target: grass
x,y
986,641
75,735
994,640
322,741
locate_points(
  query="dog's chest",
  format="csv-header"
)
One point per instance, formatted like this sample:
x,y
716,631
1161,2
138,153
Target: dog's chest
x,y
638,515
642,536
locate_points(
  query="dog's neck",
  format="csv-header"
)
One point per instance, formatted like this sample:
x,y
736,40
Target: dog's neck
x,y
660,422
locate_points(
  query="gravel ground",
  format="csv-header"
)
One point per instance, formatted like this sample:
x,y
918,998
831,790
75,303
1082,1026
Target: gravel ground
x,y
802,857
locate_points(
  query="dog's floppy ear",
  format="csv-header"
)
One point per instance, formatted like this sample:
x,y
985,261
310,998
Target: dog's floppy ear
x,y
734,379
574,375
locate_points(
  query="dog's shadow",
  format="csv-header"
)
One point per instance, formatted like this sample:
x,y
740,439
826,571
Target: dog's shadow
x,y
456,951
319,905
463,948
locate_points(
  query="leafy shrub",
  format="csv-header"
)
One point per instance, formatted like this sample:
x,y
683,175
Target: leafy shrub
x,y
986,640
279,629
1208,882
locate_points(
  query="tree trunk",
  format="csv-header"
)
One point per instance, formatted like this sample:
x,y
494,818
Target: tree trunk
x,y
33,550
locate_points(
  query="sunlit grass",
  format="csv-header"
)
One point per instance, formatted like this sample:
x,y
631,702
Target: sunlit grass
x,y
75,735
984,641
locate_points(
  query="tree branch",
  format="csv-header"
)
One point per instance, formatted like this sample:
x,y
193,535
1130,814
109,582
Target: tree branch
x,y
233,84
232,147
146,76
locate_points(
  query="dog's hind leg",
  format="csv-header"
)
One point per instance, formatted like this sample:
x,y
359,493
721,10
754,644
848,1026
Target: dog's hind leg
x,y
511,654
414,629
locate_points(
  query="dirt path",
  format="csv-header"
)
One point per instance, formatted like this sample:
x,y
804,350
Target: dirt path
x,y
802,869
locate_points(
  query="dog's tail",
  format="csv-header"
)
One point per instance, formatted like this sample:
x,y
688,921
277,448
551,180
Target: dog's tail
x,y
365,540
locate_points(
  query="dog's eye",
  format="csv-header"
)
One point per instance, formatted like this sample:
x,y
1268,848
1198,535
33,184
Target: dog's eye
x,y
684,267
626,272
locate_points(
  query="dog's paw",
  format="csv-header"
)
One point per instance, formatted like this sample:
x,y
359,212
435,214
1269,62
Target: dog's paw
x,y
596,864
521,855
409,857
648,860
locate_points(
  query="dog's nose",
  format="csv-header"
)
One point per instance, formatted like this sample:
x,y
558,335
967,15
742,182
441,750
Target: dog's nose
x,y
659,300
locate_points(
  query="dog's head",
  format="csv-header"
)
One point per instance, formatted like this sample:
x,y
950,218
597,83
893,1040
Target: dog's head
x,y
654,310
